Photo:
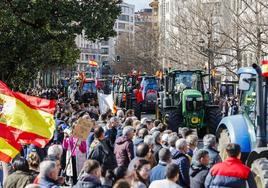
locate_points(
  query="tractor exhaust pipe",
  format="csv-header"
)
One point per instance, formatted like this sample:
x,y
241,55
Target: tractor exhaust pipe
x,y
261,109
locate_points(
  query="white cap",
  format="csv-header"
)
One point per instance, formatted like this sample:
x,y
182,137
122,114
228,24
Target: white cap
x,y
164,137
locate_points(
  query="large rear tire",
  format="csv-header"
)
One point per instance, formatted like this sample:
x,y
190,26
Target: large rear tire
x,y
224,140
213,118
260,171
137,109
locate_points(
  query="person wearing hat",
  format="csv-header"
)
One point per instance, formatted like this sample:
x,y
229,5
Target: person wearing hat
x,y
164,140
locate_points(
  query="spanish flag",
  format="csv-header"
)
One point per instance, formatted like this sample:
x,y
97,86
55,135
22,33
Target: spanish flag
x,y
23,120
92,63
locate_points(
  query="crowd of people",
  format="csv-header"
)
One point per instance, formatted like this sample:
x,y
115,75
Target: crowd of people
x,y
122,151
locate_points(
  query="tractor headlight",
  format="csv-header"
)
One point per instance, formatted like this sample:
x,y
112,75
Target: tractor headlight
x,y
199,99
189,99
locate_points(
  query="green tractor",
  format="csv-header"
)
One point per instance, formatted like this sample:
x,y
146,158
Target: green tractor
x,y
184,103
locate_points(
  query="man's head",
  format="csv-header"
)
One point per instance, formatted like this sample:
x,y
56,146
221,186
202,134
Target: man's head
x,y
164,139
181,145
99,133
156,135
142,150
185,131
114,121
209,140
56,159
172,172
172,140
192,141
92,167
233,150
55,150
149,139
48,169
202,157
128,132
164,155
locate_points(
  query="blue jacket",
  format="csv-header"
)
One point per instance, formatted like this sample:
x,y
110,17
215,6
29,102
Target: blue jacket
x,y
136,142
183,163
158,172
230,173
47,183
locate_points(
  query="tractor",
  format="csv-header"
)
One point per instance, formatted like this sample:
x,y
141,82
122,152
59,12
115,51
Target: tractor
x,y
249,127
125,92
89,90
184,103
149,90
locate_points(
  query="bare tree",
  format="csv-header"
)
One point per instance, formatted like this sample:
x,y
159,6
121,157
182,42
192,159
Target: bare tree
x,y
140,52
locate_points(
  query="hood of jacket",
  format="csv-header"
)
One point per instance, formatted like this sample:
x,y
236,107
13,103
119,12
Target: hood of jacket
x,y
195,169
88,181
121,140
177,154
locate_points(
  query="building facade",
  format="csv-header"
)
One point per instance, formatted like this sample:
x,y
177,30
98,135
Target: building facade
x,y
104,51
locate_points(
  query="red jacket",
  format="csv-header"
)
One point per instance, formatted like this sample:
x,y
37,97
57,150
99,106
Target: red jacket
x,y
230,173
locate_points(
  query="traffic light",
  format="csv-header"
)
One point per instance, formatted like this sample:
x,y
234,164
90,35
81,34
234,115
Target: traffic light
x,y
118,58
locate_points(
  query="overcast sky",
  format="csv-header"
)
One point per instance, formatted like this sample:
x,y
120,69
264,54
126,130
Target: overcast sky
x,y
139,4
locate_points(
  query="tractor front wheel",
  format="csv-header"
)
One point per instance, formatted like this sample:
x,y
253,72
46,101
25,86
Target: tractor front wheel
x,y
137,108
259,169
214,117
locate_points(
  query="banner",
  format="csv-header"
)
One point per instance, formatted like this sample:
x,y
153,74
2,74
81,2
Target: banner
x,y
106,103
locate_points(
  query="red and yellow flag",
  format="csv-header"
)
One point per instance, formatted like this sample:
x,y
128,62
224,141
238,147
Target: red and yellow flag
x,y
93,63
23,120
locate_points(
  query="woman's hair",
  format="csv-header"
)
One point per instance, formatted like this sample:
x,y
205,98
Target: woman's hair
x,y
119,173
19,163
121,184
138,166
90,166
33,160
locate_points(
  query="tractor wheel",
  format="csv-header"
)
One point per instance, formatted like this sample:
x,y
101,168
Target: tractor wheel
x,y
174,120
214,117
224,140
259,169
137,109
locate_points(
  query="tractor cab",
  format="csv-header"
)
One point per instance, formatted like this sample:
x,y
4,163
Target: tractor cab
x,y
247,87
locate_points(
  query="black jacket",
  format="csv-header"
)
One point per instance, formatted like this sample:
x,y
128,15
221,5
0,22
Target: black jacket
x,y
88,181
198,175
103,153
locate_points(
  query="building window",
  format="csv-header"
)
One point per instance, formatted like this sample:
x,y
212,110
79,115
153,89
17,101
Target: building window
x,y
121,25
105,51
86,57
167,7
124,18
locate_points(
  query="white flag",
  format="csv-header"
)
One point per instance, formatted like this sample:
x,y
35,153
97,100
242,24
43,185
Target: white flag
x,y
105,102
